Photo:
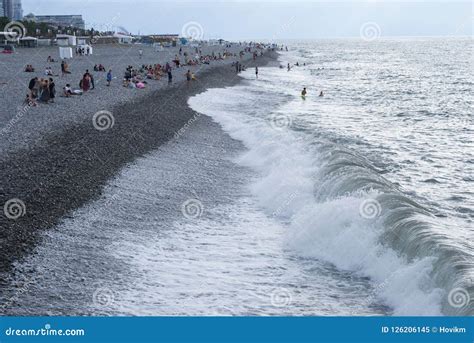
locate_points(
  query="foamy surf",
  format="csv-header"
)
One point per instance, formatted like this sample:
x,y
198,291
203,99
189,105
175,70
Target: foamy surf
x,y
337,205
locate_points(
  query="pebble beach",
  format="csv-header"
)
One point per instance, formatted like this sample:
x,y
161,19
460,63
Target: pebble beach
x,y
24,126
52,157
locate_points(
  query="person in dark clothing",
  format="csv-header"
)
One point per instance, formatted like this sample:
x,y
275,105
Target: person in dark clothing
x,y
168,70
45,95
31,87
52,89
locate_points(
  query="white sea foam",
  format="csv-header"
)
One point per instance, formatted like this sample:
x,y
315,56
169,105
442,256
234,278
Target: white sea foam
x,y
332,231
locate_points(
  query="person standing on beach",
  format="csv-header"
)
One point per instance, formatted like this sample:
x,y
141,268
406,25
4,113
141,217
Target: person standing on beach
x,y
86,81
188,76
52,90
109,77
140,53
45,95
31,87
256,72
168,71
91,78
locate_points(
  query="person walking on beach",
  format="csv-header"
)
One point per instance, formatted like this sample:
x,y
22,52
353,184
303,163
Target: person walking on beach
x,y
109,77
256,72
188,76
289,68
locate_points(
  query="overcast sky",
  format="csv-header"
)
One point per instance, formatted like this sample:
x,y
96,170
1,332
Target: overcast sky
x,y
268,19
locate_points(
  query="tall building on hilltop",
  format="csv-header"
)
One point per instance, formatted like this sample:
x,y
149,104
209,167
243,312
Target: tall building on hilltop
x,y
75,21
17,10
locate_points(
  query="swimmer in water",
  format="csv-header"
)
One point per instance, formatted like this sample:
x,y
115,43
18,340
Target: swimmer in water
x,y
303,92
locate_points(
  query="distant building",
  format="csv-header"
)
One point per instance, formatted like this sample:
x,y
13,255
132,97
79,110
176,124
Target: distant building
x,y
164,38
123,38
17,13
8,8
75,21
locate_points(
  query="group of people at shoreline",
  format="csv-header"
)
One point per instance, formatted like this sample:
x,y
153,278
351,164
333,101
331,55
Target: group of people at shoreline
x,y
43,90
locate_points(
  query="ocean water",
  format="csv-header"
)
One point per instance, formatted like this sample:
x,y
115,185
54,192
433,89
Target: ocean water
x,y
359,202
379,171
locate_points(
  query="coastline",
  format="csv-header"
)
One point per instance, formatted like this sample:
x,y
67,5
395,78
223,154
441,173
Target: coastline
x,y
69,167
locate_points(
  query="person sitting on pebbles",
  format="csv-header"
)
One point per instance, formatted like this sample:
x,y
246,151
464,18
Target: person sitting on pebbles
x,y
68,91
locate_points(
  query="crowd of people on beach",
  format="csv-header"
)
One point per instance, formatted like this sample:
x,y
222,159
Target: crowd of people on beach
x,y
40,90
43,90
